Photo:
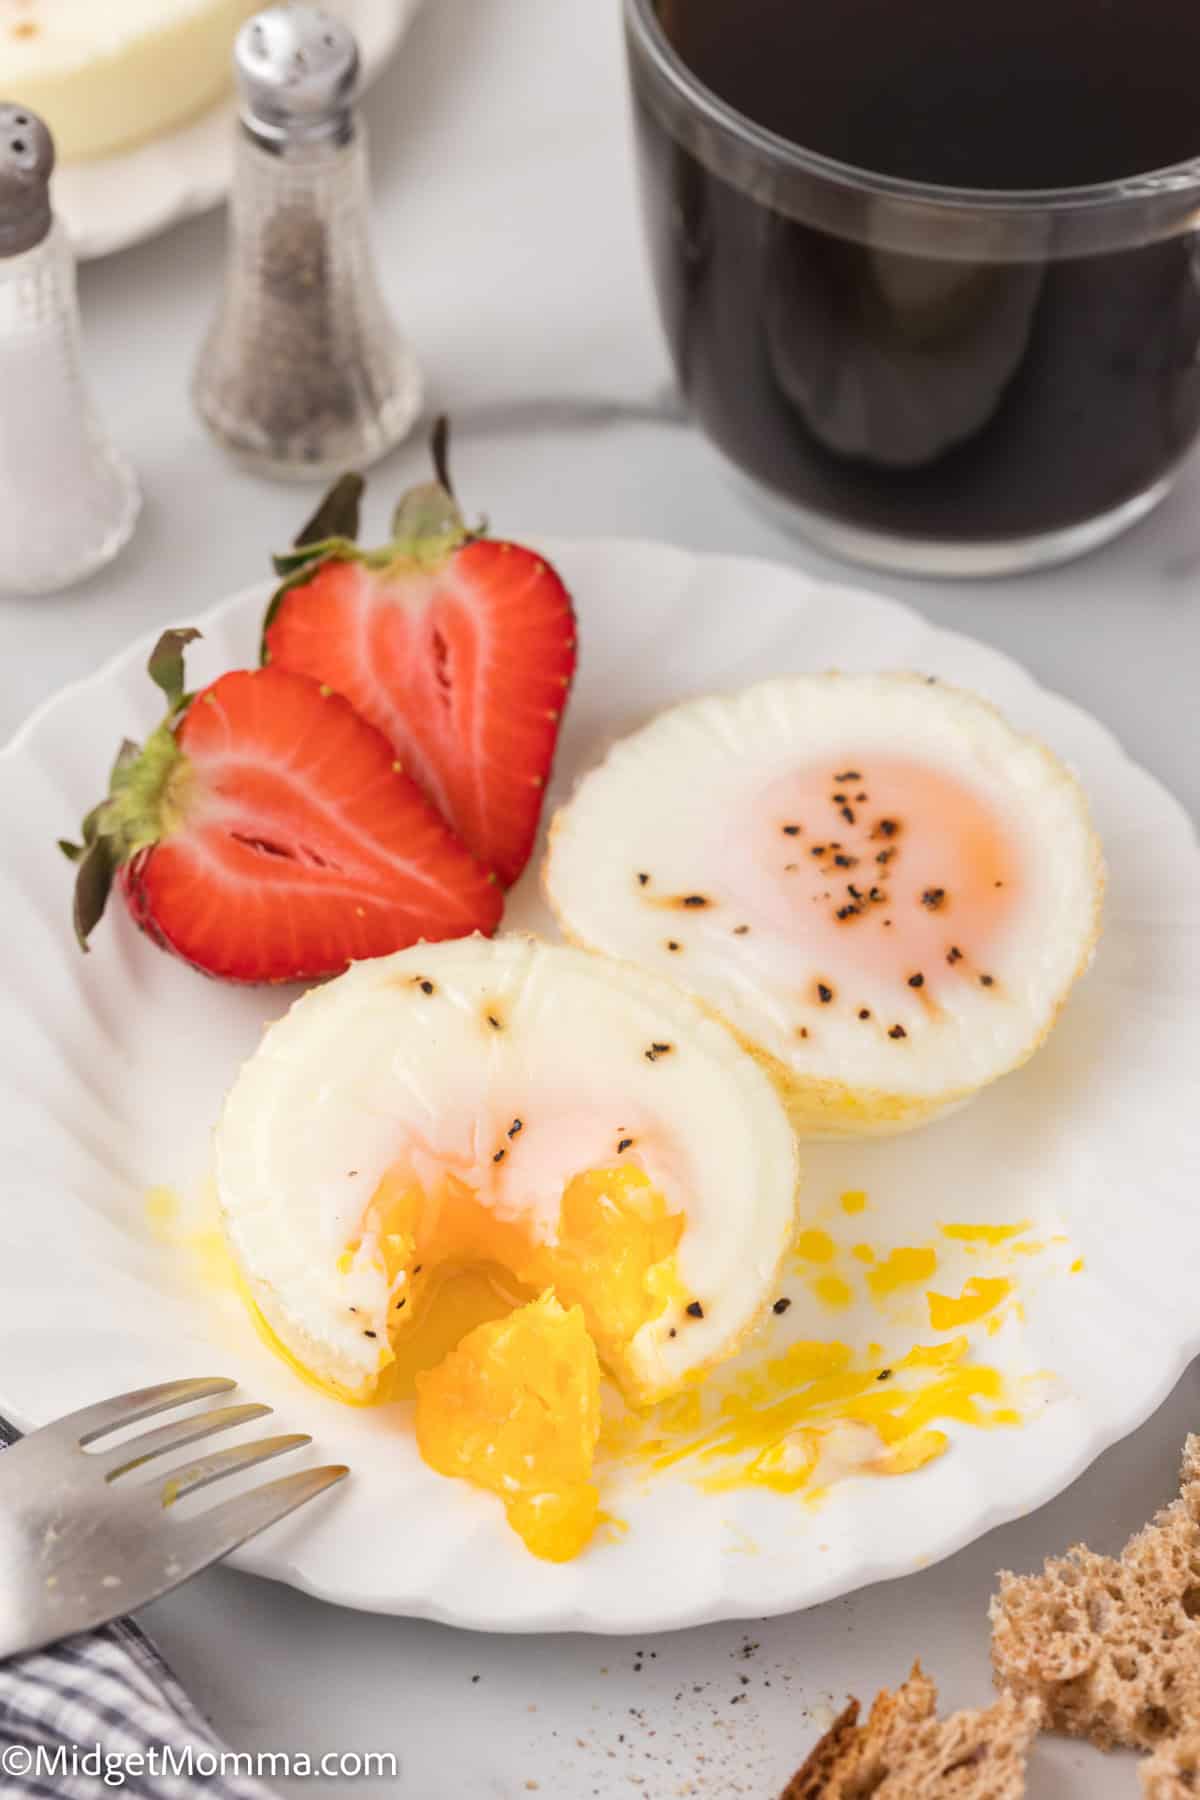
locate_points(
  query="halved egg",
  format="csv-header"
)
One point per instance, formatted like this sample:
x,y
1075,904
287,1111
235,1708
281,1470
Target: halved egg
x,y
579,1128
884,888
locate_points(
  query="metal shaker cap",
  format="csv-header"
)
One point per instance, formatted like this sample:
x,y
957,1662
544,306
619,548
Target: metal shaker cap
x,y
297,71
26,159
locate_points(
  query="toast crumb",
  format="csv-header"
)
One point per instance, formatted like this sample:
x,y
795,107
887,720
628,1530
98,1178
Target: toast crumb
x,y
904,1750
1111,1645
1173,1772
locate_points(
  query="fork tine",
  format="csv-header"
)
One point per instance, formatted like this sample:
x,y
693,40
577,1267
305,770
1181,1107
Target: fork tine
x,y
126,1409
215,1533
175,1436
219,1463
96,1575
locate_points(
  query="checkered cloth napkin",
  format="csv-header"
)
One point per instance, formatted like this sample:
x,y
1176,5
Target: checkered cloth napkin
x,y
110,1691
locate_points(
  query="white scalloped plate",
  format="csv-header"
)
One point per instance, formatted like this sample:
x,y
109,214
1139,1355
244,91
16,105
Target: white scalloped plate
x,y
115,201
113,1067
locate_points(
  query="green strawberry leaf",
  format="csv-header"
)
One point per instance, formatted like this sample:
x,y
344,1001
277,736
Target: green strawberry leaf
x,y
338,514
92,886
91,821
147,794
165,668
306,558
127,754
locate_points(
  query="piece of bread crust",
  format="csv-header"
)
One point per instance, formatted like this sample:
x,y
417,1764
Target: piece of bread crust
x,y
905,1752
1173,1772
1111,1645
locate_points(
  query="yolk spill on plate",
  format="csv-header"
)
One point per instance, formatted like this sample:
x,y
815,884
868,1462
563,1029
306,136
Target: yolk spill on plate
x,y
813,1414
814,1246
833,1292
905,1267
981,1295
498,1344
162,1209
984,1234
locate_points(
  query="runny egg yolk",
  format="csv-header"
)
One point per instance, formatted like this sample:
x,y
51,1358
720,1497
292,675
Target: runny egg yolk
x,y
508,1407
516,1409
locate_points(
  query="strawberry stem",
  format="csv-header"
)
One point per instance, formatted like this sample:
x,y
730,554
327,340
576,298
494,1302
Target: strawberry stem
x,y
439,449
427,528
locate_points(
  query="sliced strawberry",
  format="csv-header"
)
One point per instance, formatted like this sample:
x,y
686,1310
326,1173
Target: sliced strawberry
x,y
266,833
460,649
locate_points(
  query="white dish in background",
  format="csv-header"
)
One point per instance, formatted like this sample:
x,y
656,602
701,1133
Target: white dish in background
x,y
112,1069
114,201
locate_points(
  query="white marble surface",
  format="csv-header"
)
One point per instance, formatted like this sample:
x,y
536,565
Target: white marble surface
x,y
508,227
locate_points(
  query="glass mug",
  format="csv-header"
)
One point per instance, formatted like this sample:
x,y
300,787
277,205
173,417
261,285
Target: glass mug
x,y
938,380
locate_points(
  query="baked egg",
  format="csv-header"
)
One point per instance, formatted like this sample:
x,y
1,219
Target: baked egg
x,y
581,1130
885,889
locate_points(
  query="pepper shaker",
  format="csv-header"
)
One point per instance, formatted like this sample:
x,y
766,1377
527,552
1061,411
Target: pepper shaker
x,y
303,373
68,500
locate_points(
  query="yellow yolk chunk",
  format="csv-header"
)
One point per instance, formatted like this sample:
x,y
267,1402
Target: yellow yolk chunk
x,y
515,1408
614,1256
613,1253
513,1404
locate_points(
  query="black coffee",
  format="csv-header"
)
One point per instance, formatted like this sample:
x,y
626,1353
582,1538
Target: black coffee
x,y
927,396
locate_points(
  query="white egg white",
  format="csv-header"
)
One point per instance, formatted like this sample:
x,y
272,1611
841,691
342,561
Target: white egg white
x,y
427,1058
687,851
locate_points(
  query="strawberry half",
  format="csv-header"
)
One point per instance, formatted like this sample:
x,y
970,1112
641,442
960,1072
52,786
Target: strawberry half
x,y
460,648
265,832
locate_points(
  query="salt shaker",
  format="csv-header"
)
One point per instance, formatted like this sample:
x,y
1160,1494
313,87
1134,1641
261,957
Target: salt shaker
x,y
303,373
68,500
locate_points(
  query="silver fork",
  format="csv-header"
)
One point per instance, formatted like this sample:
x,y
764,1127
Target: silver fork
x,y
85,1536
